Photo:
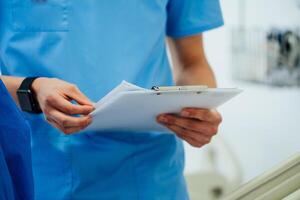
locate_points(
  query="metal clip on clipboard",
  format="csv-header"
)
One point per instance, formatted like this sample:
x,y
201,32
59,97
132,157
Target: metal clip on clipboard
x,y
188,88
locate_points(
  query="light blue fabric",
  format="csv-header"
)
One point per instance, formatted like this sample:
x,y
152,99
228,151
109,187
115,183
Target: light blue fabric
x,y
96,44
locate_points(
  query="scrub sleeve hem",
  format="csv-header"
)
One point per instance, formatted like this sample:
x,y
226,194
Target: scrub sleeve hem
x,y
193,31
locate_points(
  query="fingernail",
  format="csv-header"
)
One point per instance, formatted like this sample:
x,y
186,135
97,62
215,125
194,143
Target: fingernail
x,y
92,107
162,119
185,113
89,121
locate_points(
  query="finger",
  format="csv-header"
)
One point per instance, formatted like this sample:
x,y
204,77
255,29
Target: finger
x,y
195,140
191,141
54,123
67,107
75,94
188,133
63,129
68,121
66,130
196,136
72,130
207,115
190,124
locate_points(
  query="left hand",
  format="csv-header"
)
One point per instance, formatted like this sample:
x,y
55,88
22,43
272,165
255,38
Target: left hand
x,y
194,125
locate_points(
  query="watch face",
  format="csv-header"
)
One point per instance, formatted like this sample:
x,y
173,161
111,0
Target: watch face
x,y
25,99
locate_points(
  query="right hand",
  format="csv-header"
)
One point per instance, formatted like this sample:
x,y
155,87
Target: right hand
x,y
55,96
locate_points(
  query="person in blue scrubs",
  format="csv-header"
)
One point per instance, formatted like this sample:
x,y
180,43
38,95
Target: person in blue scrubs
x,y
16,179
83,49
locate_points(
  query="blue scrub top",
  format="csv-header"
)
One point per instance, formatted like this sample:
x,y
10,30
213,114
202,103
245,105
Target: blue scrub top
x,y
96,44
16,179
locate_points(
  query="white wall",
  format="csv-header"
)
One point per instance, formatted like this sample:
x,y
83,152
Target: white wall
x,y
262,125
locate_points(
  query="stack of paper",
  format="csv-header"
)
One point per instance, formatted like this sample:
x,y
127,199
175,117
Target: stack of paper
x,y
132,108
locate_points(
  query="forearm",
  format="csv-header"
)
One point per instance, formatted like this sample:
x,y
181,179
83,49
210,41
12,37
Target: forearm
x,y
195,74
12,84
190,65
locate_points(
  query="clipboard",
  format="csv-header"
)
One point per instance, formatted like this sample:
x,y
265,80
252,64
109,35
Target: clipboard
x,y
131,108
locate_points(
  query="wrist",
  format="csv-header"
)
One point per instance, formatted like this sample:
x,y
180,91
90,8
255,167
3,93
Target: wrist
x,y
37,84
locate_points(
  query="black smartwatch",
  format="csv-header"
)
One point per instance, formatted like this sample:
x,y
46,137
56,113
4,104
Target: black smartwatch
x,y
27,97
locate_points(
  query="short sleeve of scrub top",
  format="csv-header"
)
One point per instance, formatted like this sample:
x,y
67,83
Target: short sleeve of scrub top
x,y
190,17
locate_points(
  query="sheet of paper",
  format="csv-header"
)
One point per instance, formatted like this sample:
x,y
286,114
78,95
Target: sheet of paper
x,y
131,108
122,87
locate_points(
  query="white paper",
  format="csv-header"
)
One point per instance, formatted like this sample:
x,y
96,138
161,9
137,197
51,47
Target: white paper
x,y
122,87
132,108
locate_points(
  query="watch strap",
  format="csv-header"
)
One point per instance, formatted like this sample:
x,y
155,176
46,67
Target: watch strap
x,y
27,82
27,96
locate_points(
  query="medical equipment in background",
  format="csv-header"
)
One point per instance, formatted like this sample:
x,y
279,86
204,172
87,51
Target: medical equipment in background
x,y
219,173
269,56
280,183
266,56
283,51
